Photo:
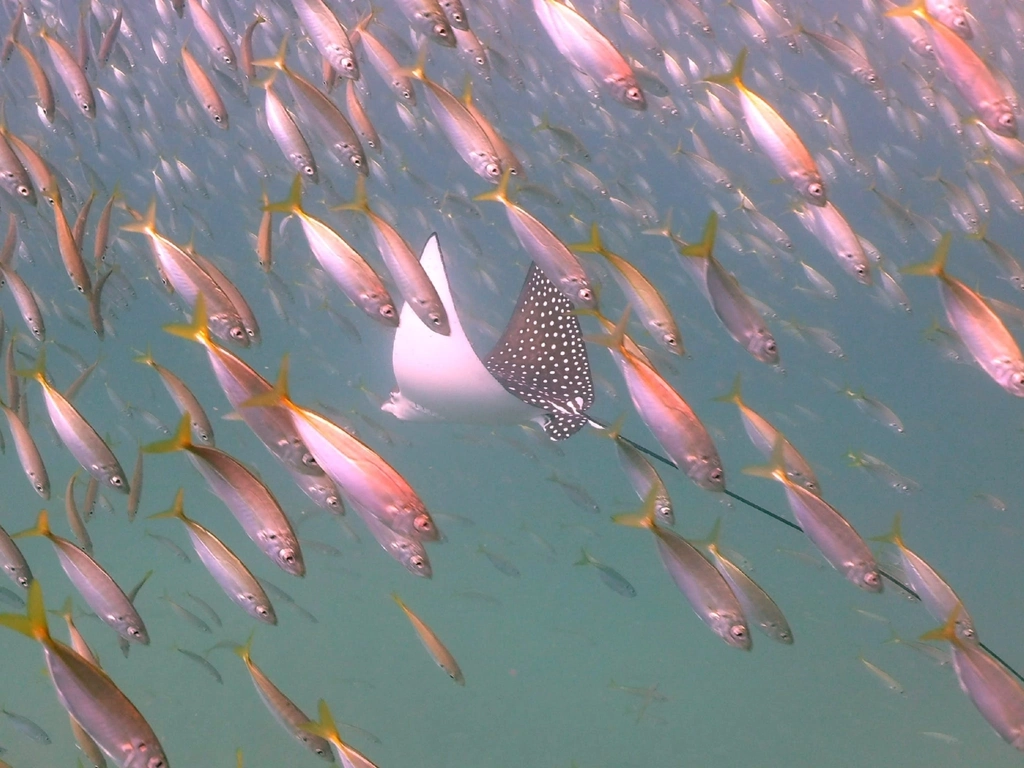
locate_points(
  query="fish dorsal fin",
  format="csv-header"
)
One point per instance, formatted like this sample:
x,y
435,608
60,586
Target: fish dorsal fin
x,y
541,357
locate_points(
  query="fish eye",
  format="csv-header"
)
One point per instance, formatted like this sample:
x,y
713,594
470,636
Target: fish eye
x,y
493,169
348,64
815,189
586,294
423,524
417,562
288,555
308,459
116,481
216,118
871,579
440,31
738,631
1007,120
23,581
357,161
716,475
23,190
387,311
308,170
333,502
633,94
237,333
435,318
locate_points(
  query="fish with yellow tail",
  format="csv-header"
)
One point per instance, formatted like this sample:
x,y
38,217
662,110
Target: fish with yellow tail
x,y
979,328
558,263
89,695
93,583
967,71
340,260
84,442
325,728
784,148
830,532
708,593
405,268
640,293
988,684
669,417
441,655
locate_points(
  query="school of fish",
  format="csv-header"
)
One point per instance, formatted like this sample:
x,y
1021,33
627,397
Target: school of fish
x,y
259,179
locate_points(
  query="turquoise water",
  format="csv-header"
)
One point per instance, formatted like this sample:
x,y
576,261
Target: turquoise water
x,y
538,651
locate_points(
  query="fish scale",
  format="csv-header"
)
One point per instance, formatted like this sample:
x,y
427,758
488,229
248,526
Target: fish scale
x,y
542,359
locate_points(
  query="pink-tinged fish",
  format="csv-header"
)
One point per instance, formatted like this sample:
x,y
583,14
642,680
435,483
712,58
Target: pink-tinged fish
x,y
784,148
834,537
590,52
185,276
982,332
28,453
89,695
348,756
286,133
250,501
76,433
828,224
640,294
413,282
708,593
205,91
93,583
341,261
227,570
993,690
387,66
763,435
739,316
284,710
328,35
952,14
72,73
428,18
272,425
442,656
211,33
968,73
366,479
554,258
464,133
938,597
669,417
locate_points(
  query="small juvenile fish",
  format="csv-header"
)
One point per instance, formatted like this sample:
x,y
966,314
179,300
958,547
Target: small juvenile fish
x,y
27,727
203,88
577,494
442,656
612,579
203,662
884,677
500,562
183,398
178,551
876,409
886,474
187,615
205,607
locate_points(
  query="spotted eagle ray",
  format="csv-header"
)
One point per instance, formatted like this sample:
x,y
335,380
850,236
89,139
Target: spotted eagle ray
x,y
537,371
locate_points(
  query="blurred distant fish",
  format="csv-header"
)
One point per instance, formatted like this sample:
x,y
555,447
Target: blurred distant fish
x,y
442,656
611,578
